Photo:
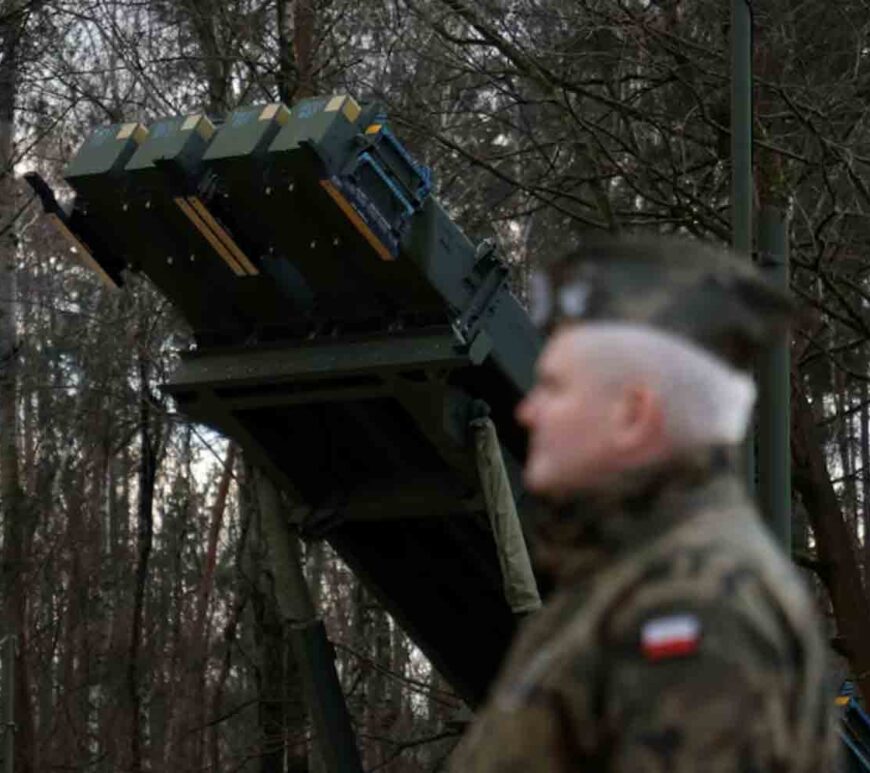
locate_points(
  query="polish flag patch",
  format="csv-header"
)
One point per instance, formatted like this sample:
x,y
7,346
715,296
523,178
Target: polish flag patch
x,y
670,637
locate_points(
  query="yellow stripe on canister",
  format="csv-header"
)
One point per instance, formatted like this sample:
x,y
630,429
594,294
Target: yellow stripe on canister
x,y
82,251
358,223
200,226
247,266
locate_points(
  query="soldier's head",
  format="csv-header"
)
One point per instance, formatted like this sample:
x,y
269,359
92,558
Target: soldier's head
x,y
651,345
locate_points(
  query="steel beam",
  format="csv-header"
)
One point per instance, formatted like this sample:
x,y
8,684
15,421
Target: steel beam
x,y
311,647
309,361
741,155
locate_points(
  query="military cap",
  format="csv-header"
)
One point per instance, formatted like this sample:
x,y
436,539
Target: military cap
x,y
700,291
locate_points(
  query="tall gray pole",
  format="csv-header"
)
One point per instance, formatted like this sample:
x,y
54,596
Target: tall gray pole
x,y
311,647
774,410
741,153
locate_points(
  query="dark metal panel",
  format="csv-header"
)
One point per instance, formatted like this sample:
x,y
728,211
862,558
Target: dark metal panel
x,y
440,580
516,342
442,253
313,359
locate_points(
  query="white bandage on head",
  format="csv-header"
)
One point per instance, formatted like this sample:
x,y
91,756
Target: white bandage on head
x,y
706,401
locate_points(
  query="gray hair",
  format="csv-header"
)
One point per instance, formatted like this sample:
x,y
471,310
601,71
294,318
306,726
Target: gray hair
x,y
706,401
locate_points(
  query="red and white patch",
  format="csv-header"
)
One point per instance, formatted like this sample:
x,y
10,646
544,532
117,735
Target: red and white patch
x,y
670,637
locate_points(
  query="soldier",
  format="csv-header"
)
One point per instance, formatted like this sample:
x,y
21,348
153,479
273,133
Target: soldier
x,y
679,637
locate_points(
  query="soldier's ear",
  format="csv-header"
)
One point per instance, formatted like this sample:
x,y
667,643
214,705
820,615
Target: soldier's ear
x,y
638,421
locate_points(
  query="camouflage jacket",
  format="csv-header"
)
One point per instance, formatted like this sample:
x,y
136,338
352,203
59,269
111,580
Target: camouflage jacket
x,y
680,639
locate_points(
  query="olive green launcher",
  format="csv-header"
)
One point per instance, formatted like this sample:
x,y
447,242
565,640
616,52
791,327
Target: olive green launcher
x,y
347,334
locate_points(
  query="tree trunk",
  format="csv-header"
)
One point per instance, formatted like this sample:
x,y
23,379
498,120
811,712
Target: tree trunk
x,y
147,478
315,566
192,725
381,714
69,717
286,65
838,565
296,49
242,596
865,481
177,695
204,19
843,427
399,702
14,510
206,584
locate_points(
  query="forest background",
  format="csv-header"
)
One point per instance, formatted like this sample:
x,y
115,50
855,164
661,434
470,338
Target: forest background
x,y
134,568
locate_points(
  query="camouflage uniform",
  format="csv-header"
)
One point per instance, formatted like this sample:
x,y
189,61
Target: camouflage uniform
x,y
580,691
679,639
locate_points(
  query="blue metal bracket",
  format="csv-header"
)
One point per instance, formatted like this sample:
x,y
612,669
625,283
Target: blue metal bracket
x,y
366,158
406,182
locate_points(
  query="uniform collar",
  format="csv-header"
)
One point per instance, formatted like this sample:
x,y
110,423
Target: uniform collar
x,y
597,526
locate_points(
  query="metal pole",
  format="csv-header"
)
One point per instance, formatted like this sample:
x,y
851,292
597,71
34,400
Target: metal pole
x,y
311,647
741,154
774,446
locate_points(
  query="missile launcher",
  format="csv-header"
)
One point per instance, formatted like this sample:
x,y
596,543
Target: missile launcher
x,y
346,330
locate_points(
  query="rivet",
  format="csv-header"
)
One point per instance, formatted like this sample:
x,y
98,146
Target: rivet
x,y
313,244
268,190
291,187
